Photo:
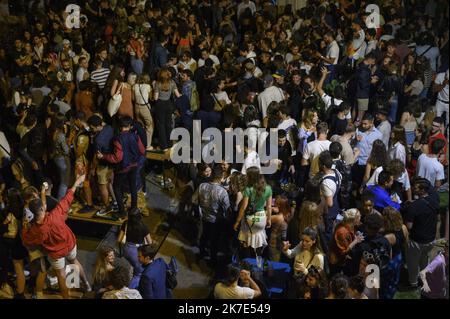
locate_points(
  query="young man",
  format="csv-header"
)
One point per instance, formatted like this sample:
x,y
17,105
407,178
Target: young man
x,y
214,202
346,173
332,55
348,154
442,102
103,142
270,94
436,133
330,185
365,135
286,166
127,148
367,205
363,83
315,148
100,74
50,231
229,289
120,281
421,217
382,198
385,126
153,279
207,55
428,165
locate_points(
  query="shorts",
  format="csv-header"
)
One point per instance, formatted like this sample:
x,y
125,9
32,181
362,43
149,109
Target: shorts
x,y
363,104
104,174
60,263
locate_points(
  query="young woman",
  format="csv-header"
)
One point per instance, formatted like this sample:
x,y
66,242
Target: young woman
x,y
307,129
338,287
305,254
164,91
410,120
255,212
117,77
280,220
104,264
378,157
397,149
183,38
136,234
397,235
314,286
60,154
344,240
142,92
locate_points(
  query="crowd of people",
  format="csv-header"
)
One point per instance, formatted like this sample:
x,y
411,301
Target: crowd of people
x,y
359,105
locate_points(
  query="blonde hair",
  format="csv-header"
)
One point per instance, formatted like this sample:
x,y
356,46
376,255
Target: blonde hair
x,y
164,77
350,215
309,215
308,116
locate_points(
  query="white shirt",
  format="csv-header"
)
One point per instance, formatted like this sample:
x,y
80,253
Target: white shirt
x,y
4,143
403,179
222,96
141,93
187,65
385,129
221,291
333,52
398,151
359,45
312,152
443,94
268,96
80,74
286,124
328,187
430,168
215,60
327,99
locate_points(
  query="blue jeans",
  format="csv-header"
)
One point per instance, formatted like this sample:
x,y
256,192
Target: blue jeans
x,y
393,111
130,253
63,167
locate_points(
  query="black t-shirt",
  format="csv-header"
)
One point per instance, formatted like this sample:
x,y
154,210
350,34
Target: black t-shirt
x,y
337,125
135,235
423,213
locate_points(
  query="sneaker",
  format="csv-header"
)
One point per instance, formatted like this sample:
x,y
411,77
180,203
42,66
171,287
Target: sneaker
x,y
86,209
102,212
113,206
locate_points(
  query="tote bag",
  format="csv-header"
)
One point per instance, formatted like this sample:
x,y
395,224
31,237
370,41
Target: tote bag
x,y
115,101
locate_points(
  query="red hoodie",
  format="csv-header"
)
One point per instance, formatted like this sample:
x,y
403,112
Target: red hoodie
x,y
53,235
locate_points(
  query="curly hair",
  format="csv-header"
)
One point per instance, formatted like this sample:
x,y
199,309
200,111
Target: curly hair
x,y
120,277
393,220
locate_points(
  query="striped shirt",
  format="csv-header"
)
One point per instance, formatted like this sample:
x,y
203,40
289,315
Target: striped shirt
x,y
100,77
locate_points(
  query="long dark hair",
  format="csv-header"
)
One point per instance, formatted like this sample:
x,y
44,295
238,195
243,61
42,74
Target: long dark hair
x,y
256,181
378,157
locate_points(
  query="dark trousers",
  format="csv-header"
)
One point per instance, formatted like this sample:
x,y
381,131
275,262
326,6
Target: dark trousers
x,y
163,118
130,179
210,239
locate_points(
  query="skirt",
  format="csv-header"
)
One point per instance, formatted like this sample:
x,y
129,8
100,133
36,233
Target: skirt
x,y
253,230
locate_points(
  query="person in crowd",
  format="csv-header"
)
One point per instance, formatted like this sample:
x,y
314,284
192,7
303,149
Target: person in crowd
x,y
104,264
120,279
282,214
315,148
420,216
50,231
338,287
381,192
152,284
428,165
229,288
397,149
255,212
435,277
142,92
356,286
126,152
344,240
135,234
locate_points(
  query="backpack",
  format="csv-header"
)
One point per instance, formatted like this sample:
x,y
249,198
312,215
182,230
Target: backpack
x,y
171,273
194,99
345,188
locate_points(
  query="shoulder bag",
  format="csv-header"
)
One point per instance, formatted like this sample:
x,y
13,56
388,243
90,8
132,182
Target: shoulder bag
x,y
115,101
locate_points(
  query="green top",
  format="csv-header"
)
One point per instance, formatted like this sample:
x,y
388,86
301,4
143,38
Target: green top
x,y
261,203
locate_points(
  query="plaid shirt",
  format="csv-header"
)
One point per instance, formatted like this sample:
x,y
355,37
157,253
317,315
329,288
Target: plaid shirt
x,y
214,201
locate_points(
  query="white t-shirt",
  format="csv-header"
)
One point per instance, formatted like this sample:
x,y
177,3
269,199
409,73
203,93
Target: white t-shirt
x,y
222,96
430,168
215,60
268,96
443,94
333,52
328,187
403,179
398,151
385,129
359,45
221,291
312,152
286,124
327,99
416,87
141,93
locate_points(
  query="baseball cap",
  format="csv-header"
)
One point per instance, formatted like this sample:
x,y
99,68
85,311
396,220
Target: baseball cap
x,y
279,74
66,41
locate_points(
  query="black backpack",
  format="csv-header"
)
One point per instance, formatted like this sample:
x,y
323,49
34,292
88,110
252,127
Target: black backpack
x,y
171,273
345,188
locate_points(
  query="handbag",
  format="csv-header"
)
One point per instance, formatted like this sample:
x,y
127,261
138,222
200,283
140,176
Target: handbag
x,y
115,101
217,105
